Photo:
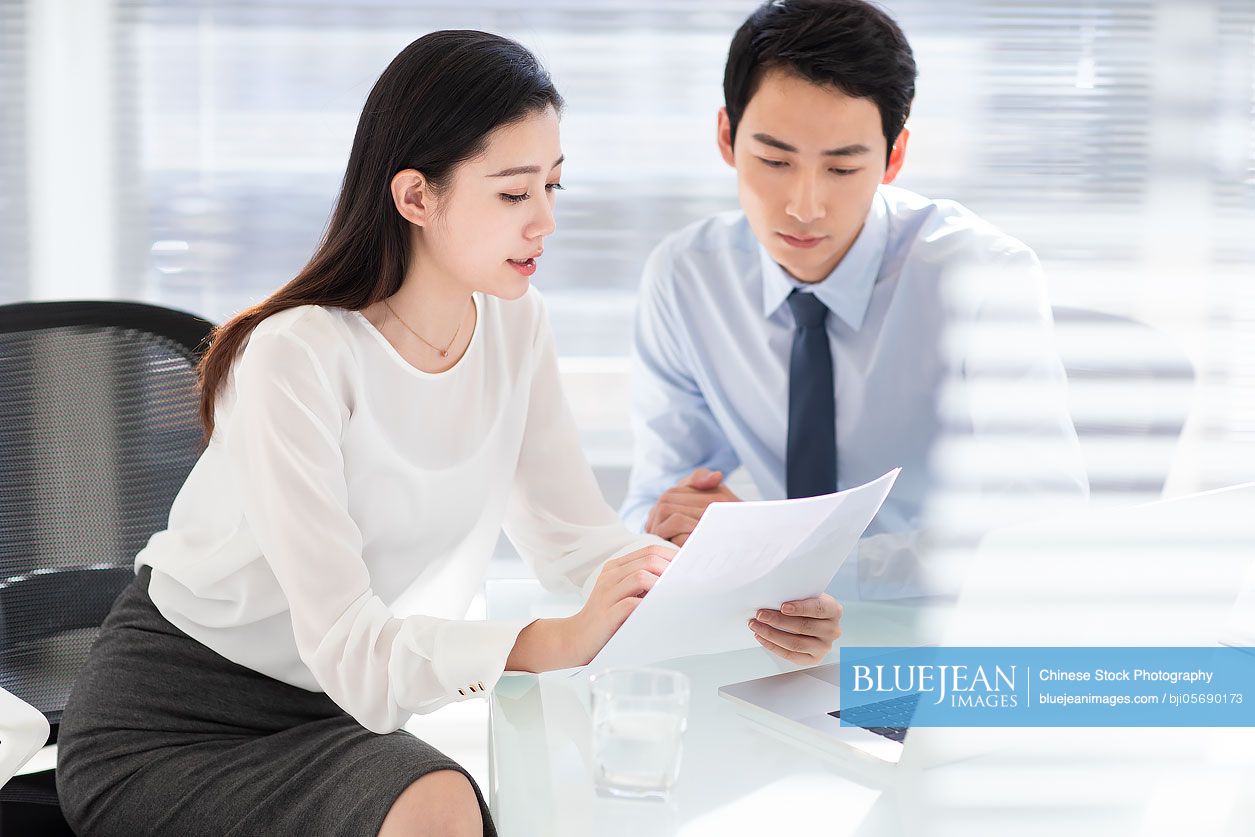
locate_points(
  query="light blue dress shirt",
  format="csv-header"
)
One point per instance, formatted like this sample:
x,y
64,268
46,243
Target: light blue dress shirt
x,y
941,334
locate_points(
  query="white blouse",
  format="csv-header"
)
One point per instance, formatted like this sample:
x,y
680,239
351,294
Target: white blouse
x,y
342,517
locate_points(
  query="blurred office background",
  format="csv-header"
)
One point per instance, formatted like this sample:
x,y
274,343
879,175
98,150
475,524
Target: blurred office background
x,y
187,152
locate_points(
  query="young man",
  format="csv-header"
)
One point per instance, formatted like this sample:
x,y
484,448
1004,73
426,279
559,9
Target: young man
x,y
816,337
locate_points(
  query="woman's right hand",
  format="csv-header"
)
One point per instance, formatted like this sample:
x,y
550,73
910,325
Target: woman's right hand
x,y
618,590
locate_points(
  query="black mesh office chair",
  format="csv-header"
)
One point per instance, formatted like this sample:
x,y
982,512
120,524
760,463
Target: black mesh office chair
x,y
1130,389
98,430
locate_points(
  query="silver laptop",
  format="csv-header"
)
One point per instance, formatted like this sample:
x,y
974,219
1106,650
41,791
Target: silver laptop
x,y
1161,574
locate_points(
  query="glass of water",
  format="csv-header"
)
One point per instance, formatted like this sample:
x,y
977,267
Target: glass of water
x,y
639,717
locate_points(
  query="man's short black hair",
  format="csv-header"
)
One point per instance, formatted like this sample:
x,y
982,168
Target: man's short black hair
x,y
851,45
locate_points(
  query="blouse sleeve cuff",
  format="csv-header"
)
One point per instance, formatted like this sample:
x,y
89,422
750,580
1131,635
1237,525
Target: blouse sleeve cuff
x,y
471,655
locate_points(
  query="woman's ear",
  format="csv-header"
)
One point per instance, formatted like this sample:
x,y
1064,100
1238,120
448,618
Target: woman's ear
x,y
413,197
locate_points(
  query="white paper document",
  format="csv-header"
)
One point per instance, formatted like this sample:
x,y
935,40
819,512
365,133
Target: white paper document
x,y
743,557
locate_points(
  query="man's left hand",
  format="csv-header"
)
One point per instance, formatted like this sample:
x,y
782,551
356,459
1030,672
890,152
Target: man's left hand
x,y
801,631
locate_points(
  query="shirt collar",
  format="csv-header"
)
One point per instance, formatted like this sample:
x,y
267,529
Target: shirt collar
x,y
847,290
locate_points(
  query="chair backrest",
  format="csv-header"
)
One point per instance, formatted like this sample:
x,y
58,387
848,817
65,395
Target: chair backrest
x,y
1129,389
99,428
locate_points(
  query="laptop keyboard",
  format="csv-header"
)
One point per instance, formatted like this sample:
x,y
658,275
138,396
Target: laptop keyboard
x,y
890,718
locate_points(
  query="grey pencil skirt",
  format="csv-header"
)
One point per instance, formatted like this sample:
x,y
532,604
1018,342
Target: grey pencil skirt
x,y
162,735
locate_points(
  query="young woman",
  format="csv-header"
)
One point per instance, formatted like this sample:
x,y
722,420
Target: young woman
x,y
372,426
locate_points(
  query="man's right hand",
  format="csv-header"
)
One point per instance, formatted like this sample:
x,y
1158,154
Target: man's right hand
x,y
677,511
618,590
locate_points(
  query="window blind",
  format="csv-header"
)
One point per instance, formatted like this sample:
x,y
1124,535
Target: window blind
x,y
1066,123
243,115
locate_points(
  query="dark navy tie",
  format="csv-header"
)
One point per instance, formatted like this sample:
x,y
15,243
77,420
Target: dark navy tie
x,y
811,467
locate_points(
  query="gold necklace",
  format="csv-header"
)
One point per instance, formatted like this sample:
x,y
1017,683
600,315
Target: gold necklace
x,y
443,352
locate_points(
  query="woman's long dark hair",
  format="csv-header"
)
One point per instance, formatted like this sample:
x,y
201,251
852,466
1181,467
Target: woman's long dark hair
x,y
431,109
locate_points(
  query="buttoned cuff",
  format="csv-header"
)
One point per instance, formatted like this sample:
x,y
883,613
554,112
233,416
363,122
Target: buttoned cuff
x,y
471,656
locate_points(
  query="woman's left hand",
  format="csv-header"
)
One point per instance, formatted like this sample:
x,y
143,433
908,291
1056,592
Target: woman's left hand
x,y
801,631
